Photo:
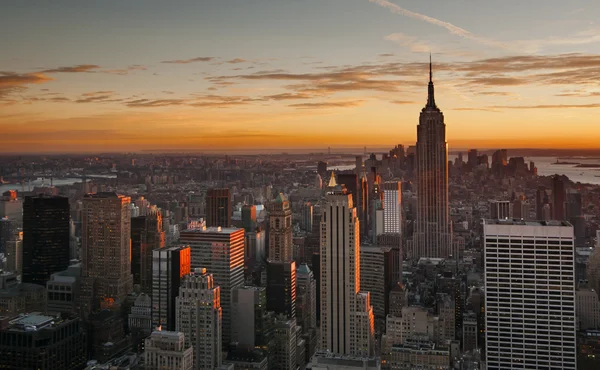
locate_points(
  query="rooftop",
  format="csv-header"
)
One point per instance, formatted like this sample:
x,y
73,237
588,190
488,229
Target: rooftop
x,y
212,230
519,222
32,322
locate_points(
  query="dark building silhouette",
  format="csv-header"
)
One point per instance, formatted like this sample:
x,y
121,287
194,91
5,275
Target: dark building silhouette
x,y
44,342
7,229
146,235
559,198
322,169
218,207
541,199
316,267
249,217
350,180
45,237
281,287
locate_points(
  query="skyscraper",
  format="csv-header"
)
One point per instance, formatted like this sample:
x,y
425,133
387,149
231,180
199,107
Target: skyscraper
x,y
392,207
106,248
433,231
346,313
221,252
500,210
559,198
199,317
280,230
530,295
45,237
169,266
249,217
218,207
281,287
167,350
146,236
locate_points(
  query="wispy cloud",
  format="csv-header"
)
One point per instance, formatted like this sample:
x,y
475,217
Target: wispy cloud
x,y
324,105
80,68
192,60
13,82
236,61
455,30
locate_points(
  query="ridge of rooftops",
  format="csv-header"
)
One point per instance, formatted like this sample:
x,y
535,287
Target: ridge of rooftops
x,y
520,222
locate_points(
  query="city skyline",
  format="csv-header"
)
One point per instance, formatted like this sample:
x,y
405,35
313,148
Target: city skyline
x,y
187,75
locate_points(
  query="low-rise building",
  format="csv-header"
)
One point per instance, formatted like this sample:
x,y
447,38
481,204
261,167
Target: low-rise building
x,y
167,350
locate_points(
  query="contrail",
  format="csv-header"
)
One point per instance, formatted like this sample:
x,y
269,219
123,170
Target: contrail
x,y
448,26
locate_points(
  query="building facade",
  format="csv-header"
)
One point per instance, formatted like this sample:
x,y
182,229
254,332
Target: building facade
x,y
392,207
45,237
280,230
218,207
167,350
281,288
106,249
433,231
530,294
221,252
169,266
346,316
199,317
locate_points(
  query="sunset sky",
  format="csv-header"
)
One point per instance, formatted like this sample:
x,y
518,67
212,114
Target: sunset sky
x,y
84,76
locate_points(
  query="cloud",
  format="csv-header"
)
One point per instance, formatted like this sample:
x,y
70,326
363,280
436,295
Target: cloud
x,y
154,103
13,82
448,26
324,105
402,102
131,68
192,60
547,106
386,55
236,61
289,96
80,68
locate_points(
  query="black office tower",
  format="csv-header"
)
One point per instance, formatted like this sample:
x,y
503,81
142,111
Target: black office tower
x,y
45,237
281,288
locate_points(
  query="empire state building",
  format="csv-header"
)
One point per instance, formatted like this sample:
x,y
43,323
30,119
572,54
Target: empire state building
x,y
433,230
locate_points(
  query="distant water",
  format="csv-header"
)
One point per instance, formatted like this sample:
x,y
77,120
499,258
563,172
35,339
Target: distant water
x,y
546,167
46,182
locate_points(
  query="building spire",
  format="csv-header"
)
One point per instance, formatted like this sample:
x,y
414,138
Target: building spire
x,y
430,95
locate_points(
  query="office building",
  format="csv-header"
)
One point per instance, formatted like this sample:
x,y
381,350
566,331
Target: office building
x,y
500,210
45,237
39,341
249,217
218,207
253,324
248,359
376,277
351,182
281,288
8,229
146,235
324,360
284,344
140,316
221,252
169,266
346,314
418,352
392,207
433,231
306,298
559,198
17,297
11,207
530,302
14,255
166,350
280,230
588,308
542,206
306,222
105,249
199,317
62,290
